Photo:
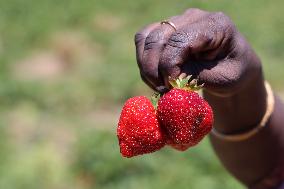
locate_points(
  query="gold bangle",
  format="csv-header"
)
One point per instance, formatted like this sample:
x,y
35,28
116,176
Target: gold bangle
x,y
243,136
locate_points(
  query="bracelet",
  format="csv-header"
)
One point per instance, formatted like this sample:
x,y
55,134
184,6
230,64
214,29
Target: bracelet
x,y
243,136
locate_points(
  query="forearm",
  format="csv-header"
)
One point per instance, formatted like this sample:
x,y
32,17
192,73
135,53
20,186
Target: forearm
x,y
252,159
209,47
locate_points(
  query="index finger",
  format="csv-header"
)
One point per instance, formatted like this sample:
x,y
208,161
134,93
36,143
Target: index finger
x,y
139,39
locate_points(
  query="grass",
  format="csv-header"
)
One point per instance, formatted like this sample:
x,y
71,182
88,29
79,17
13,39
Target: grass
x,y
164,169
58,119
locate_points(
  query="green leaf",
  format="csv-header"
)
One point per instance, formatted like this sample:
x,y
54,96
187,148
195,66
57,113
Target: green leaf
x,y
154,99
184,81
173,83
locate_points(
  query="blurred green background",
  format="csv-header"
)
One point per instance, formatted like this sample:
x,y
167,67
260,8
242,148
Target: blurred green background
x,y
66,67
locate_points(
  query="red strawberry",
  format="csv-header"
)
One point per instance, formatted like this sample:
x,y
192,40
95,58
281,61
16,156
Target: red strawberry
x,y
186,116
138,129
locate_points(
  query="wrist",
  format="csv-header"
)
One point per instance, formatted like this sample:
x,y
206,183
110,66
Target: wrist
x,y
242,110
237,137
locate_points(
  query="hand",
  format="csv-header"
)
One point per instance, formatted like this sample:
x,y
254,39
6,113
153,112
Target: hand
x,y
206,45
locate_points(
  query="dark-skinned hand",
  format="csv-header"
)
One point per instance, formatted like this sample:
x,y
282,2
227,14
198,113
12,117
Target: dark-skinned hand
x,y
206,45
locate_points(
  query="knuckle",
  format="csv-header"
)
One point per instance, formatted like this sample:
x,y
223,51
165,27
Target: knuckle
x,y
222,18
178,39
154,39
221,22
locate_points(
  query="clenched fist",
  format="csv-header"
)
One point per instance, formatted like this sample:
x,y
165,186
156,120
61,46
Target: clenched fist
x,y
204,44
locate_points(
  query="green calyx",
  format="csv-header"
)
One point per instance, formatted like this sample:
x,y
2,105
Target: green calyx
x,y
185,83
154,99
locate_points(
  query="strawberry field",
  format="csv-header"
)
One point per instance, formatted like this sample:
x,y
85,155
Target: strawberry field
x,y
67,66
